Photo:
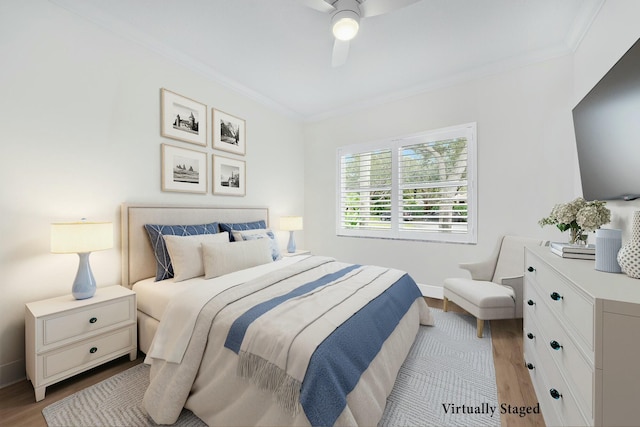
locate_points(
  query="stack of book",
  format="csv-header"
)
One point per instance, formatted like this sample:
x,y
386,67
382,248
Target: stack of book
x,y
566,250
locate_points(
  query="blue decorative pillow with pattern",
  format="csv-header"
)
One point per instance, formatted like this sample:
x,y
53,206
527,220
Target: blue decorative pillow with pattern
x,y
267,234
164,269
239,226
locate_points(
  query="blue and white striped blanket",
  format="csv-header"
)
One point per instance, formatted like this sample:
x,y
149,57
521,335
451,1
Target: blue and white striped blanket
x,y
307,332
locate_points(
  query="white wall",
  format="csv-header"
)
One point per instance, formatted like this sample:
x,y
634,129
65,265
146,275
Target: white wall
x,y
79,110
525,163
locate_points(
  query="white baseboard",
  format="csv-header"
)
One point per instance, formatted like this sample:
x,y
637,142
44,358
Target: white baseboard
x,y
431,291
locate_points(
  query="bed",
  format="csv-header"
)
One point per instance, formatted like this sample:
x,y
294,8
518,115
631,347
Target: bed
x,y
304,340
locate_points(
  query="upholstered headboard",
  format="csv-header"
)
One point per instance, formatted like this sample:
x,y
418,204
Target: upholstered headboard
x,y
138,261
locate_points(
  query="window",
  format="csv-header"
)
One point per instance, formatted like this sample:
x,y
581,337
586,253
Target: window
x,y
420,187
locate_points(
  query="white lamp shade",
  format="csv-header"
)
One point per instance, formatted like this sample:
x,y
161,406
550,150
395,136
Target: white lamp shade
x,y
81,237
291,223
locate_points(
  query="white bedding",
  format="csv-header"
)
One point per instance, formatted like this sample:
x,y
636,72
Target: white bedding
x,y
217,394
153,297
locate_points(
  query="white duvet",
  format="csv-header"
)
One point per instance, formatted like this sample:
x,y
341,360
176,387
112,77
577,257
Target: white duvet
x,y
172,338
192,368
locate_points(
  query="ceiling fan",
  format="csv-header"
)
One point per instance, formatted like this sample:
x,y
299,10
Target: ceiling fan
x,y
345,19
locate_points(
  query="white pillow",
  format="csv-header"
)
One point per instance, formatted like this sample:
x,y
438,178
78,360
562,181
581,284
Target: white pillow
x,y
260,233
185,253
223,258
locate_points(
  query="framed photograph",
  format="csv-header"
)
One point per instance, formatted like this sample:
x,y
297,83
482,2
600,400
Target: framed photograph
x,y
229,132
184,170
183,119
229,176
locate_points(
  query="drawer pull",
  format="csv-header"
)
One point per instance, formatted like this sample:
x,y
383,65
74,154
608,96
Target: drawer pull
x,y
531,269
530,336
531,302
556,296
555,345
93,350
555,393
93,320
530,366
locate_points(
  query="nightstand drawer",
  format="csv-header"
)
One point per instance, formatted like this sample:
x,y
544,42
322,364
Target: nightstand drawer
x,y
86,353
76,323
65,336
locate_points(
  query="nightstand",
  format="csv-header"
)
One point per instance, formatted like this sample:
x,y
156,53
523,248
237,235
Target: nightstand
x,y
298,252
65,336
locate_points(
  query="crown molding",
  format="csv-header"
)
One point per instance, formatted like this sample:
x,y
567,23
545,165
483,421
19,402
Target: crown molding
x,y
580,27
130,33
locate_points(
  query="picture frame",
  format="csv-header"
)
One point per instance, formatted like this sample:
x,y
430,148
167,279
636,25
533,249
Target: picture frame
x,y
182,118
229,176
229,132
184,170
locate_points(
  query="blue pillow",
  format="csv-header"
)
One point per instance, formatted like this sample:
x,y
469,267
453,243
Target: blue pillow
x,y
265,234
164,269
239,226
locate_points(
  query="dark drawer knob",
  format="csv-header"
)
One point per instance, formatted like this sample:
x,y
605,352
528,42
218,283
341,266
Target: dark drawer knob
x,y
555,345
93,320
531,302
531,269
530,336
93,350
555,296
555,393
530,366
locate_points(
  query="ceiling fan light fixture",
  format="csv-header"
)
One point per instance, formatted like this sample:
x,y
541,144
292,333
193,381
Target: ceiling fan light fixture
x,y
345,24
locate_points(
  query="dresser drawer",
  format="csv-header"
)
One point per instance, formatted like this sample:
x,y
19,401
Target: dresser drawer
x,y
570,361
87,353
86,320
562,298
546,377
548,408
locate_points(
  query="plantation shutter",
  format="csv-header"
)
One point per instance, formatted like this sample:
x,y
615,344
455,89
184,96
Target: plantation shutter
x,y
433,186
365,192
420,187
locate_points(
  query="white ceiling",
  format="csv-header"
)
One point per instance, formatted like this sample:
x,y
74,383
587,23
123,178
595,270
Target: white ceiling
x,y
279,51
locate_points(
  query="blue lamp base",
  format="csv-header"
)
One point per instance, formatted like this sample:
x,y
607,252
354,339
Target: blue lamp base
x,y
84,286
291,247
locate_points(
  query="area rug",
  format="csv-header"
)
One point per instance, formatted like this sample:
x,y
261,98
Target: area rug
x,y
448,379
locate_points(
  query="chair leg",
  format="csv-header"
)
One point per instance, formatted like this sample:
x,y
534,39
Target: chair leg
x,y
445,304
480,324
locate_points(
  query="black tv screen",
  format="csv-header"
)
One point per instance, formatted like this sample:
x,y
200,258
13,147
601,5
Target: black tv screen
x,y
607,128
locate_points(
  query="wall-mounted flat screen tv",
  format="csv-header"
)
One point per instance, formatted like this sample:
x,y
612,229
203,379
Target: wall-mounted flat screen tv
x,y
607,128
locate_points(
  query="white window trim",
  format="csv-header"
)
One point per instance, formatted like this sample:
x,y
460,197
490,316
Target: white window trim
x,y
470,237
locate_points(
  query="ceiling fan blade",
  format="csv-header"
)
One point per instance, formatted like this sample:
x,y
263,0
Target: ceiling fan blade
x,y
340,53
319,5
378,7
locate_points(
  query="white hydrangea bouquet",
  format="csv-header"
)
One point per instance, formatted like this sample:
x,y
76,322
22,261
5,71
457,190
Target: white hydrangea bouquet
x,y
579,217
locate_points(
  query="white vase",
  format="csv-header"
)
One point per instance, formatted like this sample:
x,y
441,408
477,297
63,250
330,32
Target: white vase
x,y
608,244
629,255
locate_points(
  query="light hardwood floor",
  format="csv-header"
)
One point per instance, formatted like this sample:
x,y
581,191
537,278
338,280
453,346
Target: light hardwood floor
x,y
18,407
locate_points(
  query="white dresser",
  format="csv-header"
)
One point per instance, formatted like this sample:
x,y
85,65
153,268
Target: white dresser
x,y
65,336
581,341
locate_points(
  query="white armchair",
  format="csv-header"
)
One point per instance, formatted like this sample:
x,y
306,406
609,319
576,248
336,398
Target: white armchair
x,y
496,285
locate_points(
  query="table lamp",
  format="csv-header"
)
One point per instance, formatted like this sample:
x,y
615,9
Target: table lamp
x,y
291,224
82,238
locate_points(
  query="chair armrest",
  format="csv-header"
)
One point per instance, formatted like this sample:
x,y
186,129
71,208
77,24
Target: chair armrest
x,y
483,270
480,270
517,284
